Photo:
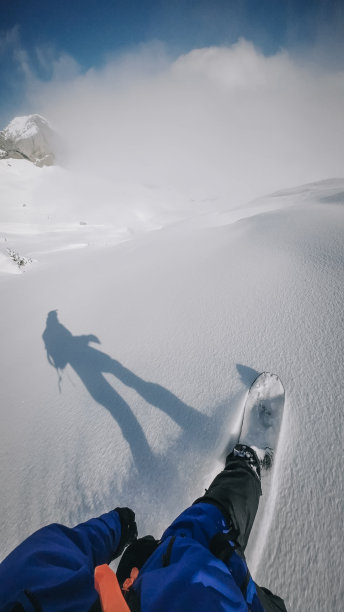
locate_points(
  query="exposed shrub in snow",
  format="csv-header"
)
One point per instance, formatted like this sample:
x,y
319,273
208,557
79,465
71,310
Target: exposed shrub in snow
x,y
18,259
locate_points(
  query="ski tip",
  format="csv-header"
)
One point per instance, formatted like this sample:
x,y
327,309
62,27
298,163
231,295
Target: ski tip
x,y
267,378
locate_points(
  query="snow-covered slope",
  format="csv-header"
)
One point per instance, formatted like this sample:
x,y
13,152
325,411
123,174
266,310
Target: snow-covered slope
x,y
30,137
157,339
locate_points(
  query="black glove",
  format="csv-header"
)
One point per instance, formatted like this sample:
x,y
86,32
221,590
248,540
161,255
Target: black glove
x,y
135,555
128,529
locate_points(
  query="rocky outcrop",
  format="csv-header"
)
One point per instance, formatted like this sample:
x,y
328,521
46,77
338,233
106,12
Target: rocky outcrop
x,y
30,138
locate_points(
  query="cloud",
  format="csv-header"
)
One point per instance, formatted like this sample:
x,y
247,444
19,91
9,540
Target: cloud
x,y
54,66
23,72
219,123
13,54
318,33
9,40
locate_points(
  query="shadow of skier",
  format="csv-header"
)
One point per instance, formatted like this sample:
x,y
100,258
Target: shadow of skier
x,y
91,364
247,374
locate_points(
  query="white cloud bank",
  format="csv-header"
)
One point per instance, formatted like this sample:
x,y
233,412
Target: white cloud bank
x,y
225,124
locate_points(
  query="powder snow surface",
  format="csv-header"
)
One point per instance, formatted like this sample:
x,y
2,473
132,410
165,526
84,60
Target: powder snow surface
x,y
158,339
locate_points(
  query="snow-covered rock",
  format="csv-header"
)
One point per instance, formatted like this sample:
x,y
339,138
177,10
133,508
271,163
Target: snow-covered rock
x,y
30,137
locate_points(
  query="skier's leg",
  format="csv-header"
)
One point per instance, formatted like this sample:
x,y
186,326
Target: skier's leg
x,y
236,491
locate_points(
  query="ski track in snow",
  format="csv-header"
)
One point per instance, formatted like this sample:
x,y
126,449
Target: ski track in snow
x,y
181,320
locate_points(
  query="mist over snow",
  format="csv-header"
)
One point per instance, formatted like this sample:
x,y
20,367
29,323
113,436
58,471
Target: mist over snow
x,y
145,135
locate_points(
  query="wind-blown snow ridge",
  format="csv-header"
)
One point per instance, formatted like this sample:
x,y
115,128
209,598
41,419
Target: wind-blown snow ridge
x,y
36,204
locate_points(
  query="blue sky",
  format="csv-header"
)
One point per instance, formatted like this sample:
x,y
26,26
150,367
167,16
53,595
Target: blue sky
x,y
34,33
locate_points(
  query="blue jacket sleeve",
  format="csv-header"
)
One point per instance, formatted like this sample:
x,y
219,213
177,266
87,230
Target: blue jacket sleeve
x,y
202,522
54,567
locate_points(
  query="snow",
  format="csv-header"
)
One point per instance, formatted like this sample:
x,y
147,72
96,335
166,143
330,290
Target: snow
x,y
32,136
24,127
161,332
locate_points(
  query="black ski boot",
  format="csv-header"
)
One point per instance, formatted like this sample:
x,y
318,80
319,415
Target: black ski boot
x,y
250,456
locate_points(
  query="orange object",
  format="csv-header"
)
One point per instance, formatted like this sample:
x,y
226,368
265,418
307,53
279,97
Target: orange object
x,y
129,581
109,591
